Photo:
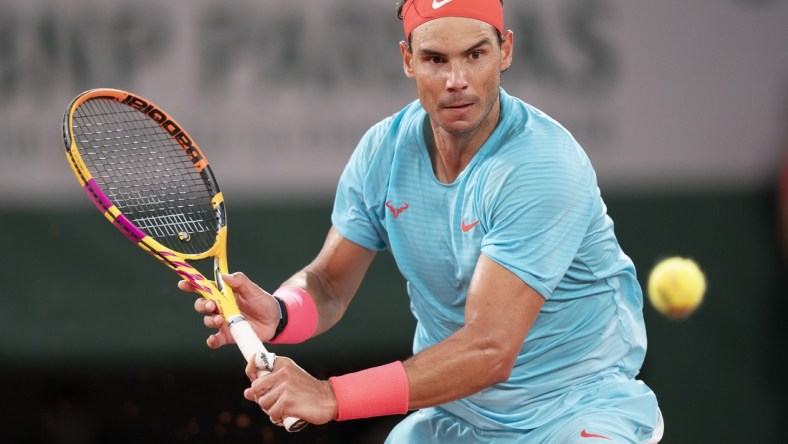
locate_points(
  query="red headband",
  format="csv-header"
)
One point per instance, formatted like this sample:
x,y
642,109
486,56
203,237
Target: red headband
x,y
418,12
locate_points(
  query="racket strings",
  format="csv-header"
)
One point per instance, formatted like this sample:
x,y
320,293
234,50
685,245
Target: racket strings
x,y
147,175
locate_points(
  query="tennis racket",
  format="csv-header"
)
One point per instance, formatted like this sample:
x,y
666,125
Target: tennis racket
x,y
151,181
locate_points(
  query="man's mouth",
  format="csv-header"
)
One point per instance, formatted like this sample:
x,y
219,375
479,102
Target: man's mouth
x,y
458,106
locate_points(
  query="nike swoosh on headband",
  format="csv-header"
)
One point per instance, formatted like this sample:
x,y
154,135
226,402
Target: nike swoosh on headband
x,y
437,4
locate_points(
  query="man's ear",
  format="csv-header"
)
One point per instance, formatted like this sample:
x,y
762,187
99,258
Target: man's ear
x,y
407,59
507,50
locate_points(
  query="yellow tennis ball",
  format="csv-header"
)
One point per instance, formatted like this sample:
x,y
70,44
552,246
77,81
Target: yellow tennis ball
x,y
676,287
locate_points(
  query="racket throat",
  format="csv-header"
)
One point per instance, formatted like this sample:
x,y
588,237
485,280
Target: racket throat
x,y
218,274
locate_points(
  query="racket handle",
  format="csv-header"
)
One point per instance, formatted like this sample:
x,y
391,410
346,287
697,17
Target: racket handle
x,y
251,345
247,340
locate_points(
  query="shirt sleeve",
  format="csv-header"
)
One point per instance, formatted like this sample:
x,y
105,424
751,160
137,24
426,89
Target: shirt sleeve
x,y
538,211
355,213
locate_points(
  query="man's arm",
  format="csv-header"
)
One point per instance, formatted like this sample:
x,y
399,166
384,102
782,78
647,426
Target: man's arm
x,y
333,277
500,310
332,280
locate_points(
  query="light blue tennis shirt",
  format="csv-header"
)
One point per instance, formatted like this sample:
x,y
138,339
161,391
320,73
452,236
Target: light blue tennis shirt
x,y
528,200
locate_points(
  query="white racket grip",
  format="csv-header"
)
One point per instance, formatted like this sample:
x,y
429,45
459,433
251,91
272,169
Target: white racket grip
x,y
247,340
250,345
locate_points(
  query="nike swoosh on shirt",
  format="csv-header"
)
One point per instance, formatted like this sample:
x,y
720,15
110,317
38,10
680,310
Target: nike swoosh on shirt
x,y
437,4
585,434
467,227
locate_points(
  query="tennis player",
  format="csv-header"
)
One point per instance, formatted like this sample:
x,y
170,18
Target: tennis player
x,y
529,315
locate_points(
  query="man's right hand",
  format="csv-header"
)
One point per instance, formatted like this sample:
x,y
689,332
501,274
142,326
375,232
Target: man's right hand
x,y
256,305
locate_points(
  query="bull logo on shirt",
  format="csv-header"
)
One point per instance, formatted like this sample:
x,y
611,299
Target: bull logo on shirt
x,y
396,211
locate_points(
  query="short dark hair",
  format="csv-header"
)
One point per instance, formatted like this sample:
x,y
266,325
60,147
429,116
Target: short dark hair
x,y
401,4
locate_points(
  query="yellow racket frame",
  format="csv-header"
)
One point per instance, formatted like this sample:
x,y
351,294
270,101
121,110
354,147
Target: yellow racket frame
x,y
177,261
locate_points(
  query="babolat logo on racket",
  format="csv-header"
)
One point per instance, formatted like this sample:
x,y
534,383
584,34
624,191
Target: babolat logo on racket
x,y
170,126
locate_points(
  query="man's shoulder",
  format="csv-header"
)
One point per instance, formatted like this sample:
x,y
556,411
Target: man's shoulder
x,y
532,143
528,120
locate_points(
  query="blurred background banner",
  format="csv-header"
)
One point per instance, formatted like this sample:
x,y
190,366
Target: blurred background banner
x,y
661,94
681,105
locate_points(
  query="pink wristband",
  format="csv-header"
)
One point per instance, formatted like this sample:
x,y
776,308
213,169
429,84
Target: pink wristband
x,y
301,315
376,391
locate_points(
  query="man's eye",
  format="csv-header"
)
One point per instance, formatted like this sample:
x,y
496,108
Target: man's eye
x,y
476,55
436,59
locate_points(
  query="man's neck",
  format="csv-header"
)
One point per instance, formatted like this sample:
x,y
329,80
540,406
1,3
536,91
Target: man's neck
x,y
451,153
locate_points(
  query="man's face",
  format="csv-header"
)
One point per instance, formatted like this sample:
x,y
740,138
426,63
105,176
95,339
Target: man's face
x,y
456,63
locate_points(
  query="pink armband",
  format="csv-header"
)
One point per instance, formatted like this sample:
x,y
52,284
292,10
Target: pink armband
x,y
301,315
376,391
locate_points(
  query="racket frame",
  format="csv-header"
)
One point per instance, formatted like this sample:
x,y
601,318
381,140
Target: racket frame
x,y
175,260
247,341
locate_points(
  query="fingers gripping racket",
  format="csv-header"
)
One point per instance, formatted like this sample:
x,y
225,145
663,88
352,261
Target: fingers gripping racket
x,y
151,181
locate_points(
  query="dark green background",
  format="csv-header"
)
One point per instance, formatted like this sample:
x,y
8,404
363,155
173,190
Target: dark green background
x,y
98,345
